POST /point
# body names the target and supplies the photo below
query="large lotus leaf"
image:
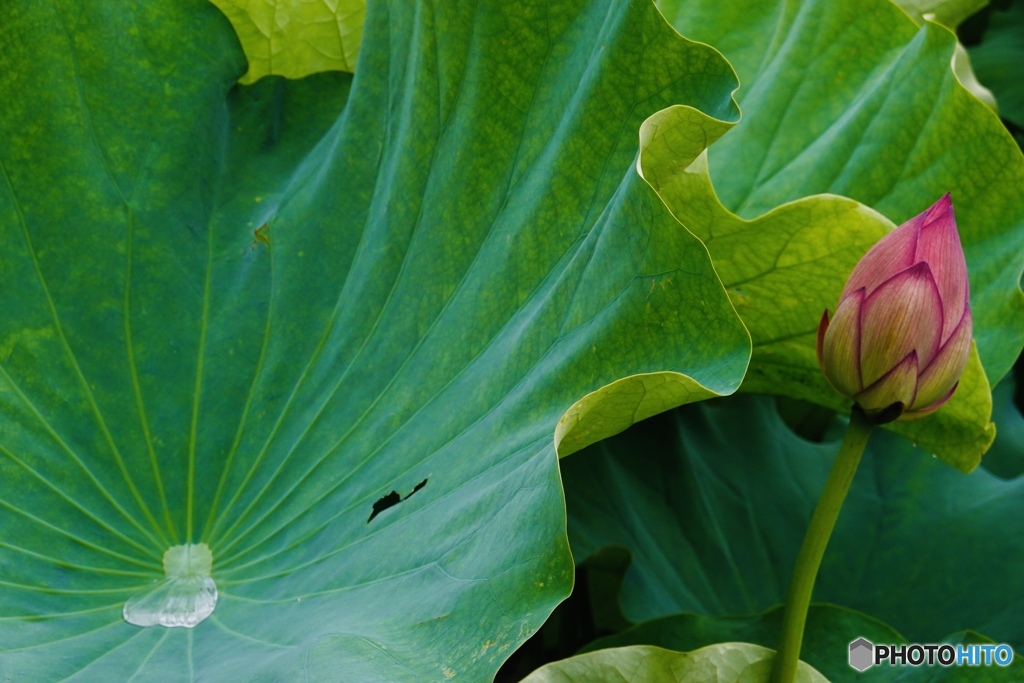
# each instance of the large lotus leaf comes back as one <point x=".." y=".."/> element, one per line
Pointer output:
<point x="997" y="60"/>
<point x="853" y="98"/>
<point x="848" y="98"/>
<point x="296" y="38"/>
<point x="713" y="501"/>
<point x="722" y="663"/>
<point x="827" y="638"/>
<point x="329" y="334"/>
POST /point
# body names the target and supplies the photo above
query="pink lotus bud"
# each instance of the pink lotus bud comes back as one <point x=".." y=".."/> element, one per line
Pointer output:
<point x="901" y="334"/>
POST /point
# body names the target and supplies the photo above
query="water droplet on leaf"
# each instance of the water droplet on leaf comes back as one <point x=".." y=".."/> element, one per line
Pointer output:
<point x="184" y="597"/>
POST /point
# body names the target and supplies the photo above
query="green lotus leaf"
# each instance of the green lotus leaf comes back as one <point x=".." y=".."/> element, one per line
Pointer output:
<point x="296" y="38"/>
<point x="831" y="93"/>
<point x="713" y="500"/>
<point x="829" y="106"/>
<point x="325" y="329"/>
<point x="721" y="663"/>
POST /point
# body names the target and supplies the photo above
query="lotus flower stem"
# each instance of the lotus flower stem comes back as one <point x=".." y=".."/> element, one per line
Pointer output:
<point x="809" y="558"/>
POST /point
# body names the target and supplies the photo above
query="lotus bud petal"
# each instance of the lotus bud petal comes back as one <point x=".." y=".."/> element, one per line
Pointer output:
<point x="901" y="334"/>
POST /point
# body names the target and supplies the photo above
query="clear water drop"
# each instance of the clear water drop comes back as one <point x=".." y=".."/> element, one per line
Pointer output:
<point x="184" y="597"/>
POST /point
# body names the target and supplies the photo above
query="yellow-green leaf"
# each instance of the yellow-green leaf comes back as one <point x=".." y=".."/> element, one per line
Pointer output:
<point x="295" y="38"/>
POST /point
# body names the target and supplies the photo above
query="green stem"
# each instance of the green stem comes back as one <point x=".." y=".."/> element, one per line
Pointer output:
<point x="813" y="548"/>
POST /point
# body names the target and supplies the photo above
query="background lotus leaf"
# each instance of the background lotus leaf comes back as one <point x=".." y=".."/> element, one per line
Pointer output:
<point x="712" y="502"/>
<point x="997" y="60"/>
<point x="850" y="99"/>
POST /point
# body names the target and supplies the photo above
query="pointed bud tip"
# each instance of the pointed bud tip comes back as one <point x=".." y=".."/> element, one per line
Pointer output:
<point x="942" y="210"/>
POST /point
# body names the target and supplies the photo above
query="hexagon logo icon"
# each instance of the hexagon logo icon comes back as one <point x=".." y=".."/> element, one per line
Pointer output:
<point x="862" y="654"/>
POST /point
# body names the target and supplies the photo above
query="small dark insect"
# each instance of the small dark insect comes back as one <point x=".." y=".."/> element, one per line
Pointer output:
<point x="391" y="500"/>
